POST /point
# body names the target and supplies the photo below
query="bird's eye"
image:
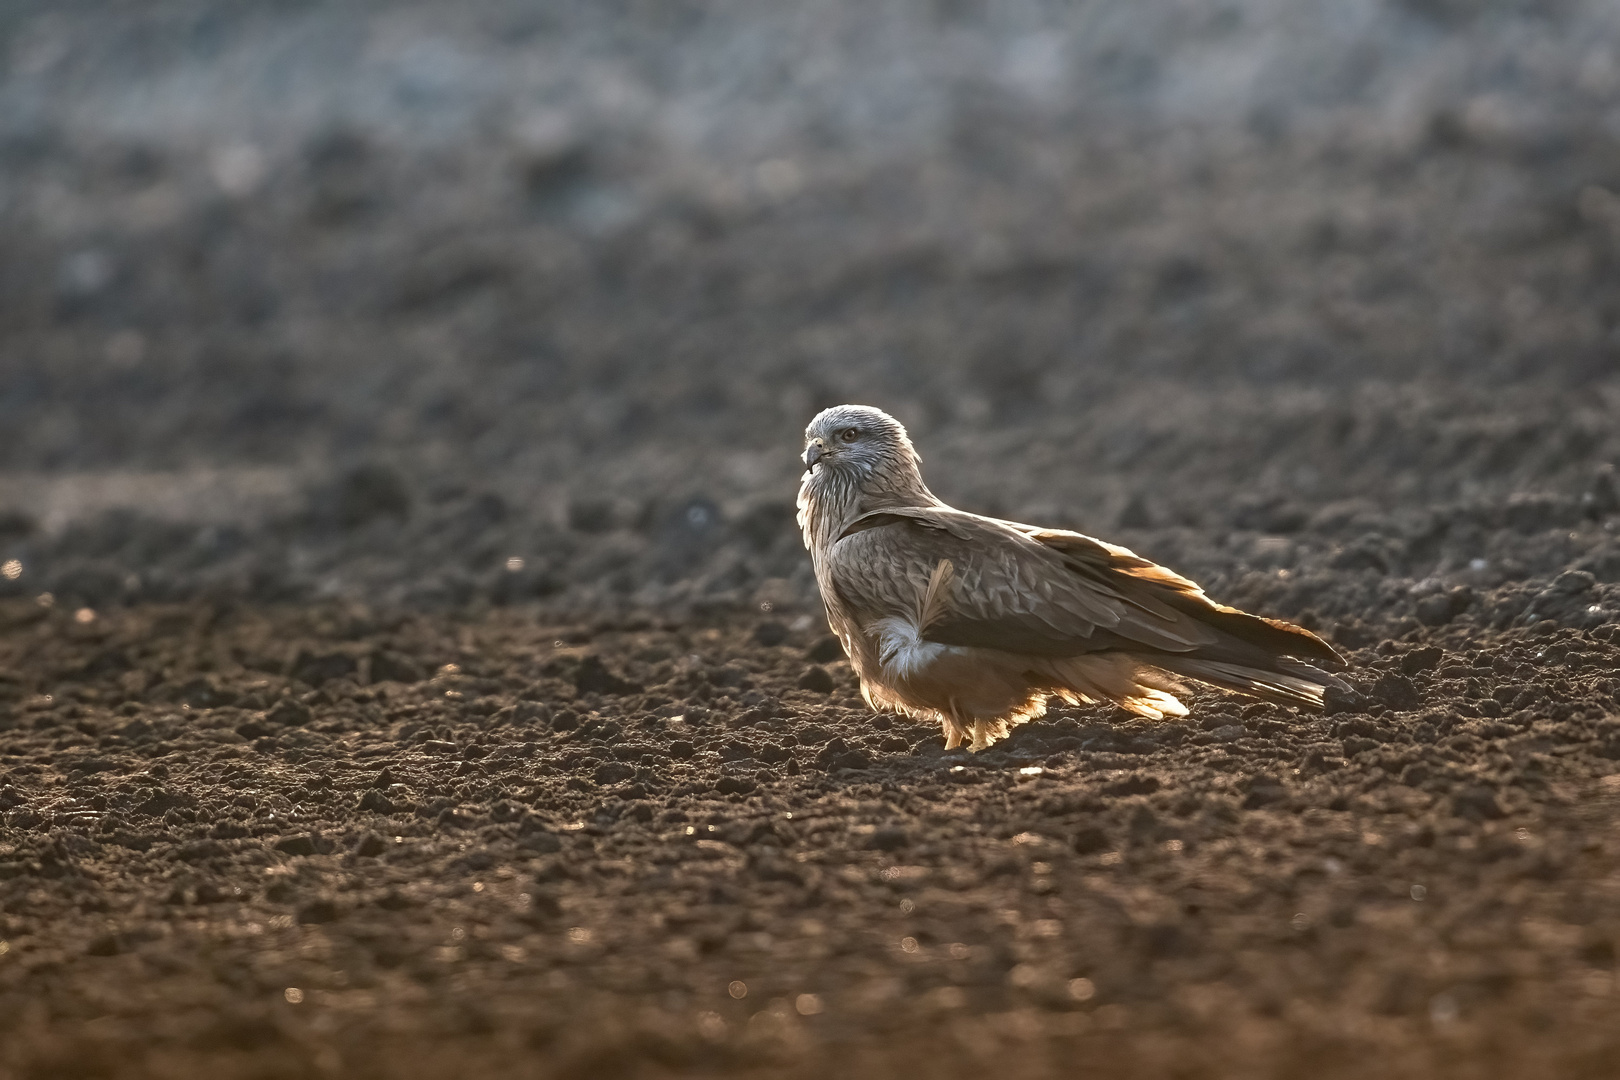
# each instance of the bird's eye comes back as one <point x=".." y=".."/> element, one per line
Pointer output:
<point x="849" y="434"/>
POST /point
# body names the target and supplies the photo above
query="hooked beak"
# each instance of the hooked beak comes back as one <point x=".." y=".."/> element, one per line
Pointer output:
<point x="812" y="454"/>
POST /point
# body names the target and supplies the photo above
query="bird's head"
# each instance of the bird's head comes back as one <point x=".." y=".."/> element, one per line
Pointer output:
<point x="857" y="445"/>
<point x="857" y="459"/>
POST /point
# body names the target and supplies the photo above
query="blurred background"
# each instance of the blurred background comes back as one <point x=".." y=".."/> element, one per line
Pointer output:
<point x="497" y="302"/>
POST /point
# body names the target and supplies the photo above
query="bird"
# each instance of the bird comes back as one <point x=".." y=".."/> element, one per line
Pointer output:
<point x="976" y="623"/>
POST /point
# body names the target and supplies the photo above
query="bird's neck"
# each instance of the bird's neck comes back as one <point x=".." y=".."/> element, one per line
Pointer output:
<point x="829" y="501"/>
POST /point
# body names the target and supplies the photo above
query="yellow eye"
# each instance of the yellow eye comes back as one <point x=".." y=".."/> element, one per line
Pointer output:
<point x="849" y="434"/>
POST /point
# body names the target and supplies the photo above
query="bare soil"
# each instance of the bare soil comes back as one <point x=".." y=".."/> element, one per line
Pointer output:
<point x="293" y="841"/>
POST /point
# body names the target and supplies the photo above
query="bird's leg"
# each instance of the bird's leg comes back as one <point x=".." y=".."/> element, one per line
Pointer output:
<point x="950" y="719"/>
<point x="982" y="737"/>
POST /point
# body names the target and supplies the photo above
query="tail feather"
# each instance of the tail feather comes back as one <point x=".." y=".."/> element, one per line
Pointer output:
<point x="1257" y="635"/>
<point x="1288" y="682"/>
<point x="1269" y="659"/>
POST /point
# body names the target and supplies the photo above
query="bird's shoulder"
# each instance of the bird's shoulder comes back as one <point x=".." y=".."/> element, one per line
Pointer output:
<point x="912" y="540"/>
<point x="940" y="521"/>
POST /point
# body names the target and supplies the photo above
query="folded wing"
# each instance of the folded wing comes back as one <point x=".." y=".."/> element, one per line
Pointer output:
<point x="1053" y="594"/>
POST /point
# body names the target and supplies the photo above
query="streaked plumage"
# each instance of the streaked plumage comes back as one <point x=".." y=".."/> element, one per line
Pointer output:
<point x="976" y="622"/>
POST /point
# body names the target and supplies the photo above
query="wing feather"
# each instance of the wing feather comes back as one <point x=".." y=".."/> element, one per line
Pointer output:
<point x="935" y="600"/>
